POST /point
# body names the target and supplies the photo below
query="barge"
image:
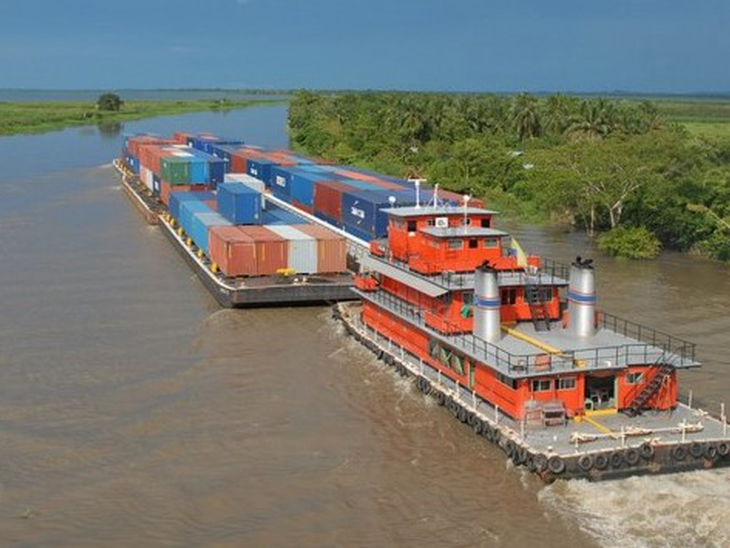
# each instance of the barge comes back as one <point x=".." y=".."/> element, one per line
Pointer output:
<point x="514" y="347"/>
<point x="234" y="292"/>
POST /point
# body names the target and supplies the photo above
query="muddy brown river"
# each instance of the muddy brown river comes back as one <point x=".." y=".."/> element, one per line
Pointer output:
<point x="133" y="410"/>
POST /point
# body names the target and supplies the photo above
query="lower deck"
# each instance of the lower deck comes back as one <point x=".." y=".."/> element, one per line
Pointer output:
<point x="701" y="437"/>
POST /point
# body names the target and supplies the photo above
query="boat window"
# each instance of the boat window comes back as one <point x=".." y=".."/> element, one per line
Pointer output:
<point x="466" y="222"/>
<point x="411" y="226"/>
<point x="433" y="348"/>
<point x="473" y="244"/>
<point x="490" y="242"/>
<point x="512" y="383"/>
<point x="509" y="295"/>
<point x="467" y="297"/>
<point x="486" y="223"/>
<point x="545" y="294"/>
<point x="566" y="383"/>
<point x="634" y="378"/>
<point x="542" y="385"/>
<point x="455" y="244"/>
<point x="434" y="243"/>
<point x="431" y="222"/>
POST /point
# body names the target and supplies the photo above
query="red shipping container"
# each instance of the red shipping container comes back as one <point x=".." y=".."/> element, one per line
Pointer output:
<point x="166" y="188"/>
<point x="303" y="207"/>
<point x="180" y="137"/>
<point x="331" y="249"/>
<point x="233" y="251"/>
<point x="239" y="157"/>
<point x="328" y="198"/>
<point x="271" y="249"/>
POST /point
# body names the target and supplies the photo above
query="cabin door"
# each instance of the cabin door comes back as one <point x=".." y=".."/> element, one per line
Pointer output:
<point x="600" y="392"/>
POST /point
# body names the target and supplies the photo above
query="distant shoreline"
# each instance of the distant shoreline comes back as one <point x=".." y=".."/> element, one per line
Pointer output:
<point x="26" y="117"/>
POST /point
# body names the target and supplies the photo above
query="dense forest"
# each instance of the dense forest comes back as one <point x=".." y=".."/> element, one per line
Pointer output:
<point x="617" y="169"/>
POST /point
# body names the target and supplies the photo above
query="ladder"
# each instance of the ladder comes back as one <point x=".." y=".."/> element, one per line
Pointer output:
<point x="636" y="406"/>
<point x="538" y="307"/>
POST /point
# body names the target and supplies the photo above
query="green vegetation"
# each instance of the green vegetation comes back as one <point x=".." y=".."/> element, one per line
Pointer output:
<point x="21" y="117"/>
<point x="598" y="164"/>
<point x="109" y="102"/>
<point x="630" y="242"/>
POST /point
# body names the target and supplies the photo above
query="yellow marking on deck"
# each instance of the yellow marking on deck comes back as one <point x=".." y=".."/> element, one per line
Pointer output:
<point x="531" y="340"/>
<point x="601" y="412"/>
<point x="597" y="425"/>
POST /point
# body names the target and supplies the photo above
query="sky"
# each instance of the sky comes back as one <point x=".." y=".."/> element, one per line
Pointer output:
<point x="672" y="46"/>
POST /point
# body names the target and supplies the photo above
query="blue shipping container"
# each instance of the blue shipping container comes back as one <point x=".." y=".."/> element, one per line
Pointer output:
<point x="177" y="198"/>
<point x="362" y="210"/>
<point x="261" y="169"/>
<point x="199" y="226"/>
<point x="240" y="204"/>
<point x="187" y="209"/>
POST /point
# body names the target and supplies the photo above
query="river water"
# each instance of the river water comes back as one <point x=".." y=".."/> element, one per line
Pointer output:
<point x="134" y="410"/>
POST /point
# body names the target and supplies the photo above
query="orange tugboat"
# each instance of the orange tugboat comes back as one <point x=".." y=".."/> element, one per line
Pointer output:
<point x="514" y="346"/>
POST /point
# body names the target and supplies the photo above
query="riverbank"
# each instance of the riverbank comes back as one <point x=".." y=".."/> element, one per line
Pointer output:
<point x="38" y="117"/>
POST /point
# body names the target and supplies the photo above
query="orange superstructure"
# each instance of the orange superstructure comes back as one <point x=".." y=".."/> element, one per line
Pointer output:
<point x="520" y="332"/>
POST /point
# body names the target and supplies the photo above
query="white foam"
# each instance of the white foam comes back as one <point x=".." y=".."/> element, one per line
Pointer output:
<point x="687" y="509"/>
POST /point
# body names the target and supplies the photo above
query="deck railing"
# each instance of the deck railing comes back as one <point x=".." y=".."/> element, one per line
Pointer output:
<point x="603" y="357"/>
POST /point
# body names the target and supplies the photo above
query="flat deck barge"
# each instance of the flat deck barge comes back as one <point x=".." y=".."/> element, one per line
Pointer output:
<point x="242" y="291"/>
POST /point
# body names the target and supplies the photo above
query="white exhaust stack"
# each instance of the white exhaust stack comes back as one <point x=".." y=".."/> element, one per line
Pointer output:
<point x="582" y="298"/>
<point x="486" y="304"/>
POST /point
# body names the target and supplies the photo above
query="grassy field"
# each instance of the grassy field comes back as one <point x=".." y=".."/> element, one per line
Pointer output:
<point x="702" y="117"/>
<point x="21" y="117"/>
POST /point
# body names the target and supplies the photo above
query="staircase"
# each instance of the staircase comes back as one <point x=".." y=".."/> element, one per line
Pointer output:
<point x="538" y="307"/>
<point x="650" y="389"/>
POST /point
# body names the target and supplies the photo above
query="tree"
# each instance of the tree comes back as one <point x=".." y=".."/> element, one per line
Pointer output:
<point x="525" y="116"/>
<point x="109" y="102"/>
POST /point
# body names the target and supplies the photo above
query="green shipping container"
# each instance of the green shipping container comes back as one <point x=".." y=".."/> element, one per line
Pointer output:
<point x="175" y="170"/>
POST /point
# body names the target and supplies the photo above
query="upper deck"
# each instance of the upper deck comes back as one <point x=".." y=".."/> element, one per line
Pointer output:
<point x="521" y="351"/>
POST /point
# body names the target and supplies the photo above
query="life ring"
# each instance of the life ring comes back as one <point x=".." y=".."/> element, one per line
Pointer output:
<point x="585" y="462"/>
<point x="556" y="465"/>
<point x="478" y="426"/>
<point x="441" y="398"/>
<point x="723" y="449"/>
<point x="711" y="451"/>
<point x="647" y="451"/>
<point x="601" y="461"/>
<point x="617" y="460"/>
<point x="696" y="450"/>
<point x="632" y="457"/>
<point x="541" y="462"/>
<point x="679" y="453"/>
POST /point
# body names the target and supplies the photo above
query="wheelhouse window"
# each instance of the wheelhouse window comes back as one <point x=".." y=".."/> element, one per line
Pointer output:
<point x="491" y="242"/>
<point x="504" y="379"/>
<point x="456" y="244"/>
<point x="467" y="297"/>
<point x="486" y="223"/>
<point x="542" y="385"/>
<point x="473" y="244"/>
<point x="545" y="294"/>
<point x="412" y="226"/>
<point x="634" y="378"/>
<point x="434" y="243"/>
<point x="509" y="295"/>
<point x="566" y="383"/>
<point x="465" y="222"/>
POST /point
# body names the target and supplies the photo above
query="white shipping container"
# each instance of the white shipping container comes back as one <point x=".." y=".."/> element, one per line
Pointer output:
<point x="146" y="177"/>
<point x="302" y="255"/>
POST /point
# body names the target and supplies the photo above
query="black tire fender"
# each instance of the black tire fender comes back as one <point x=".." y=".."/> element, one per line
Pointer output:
<point x="696" y="449"/>
<point x="440" y="398"/>
<point x="478" y="426"/>
<point x="426" y="386"/>
<point x="509" y="448"/>
<point x="723" y="449"/>
<point x="632" y="457"/>
<point x="679" y="453"/>
<point x="601" y="461"/>
<point x="556" y="465"/>
<point x="530" y="463"/>
<point x="487" y="432"/>
<point x="711" y="451"/>
<point x="647" y="451"/>
<point x="470" y="418"/>
<point x="462" y="414"/>
<point x="586" y="462"/>
<point x="541" y="462"/>
<point x="617" y="459"/>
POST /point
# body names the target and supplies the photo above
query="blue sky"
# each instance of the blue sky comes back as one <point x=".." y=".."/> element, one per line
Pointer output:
<point x="510" y="45"/>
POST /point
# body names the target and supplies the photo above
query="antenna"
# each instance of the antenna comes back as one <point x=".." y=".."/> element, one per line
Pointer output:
<point x="466" y="210"/>
<point x="435" y="195"/>
<point x="418" y="194"/>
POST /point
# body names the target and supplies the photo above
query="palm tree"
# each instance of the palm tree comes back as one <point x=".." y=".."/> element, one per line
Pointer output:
<point x="559" y="109"/>
<point x="596" y="119"/>
<point x="525" y="116"/>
